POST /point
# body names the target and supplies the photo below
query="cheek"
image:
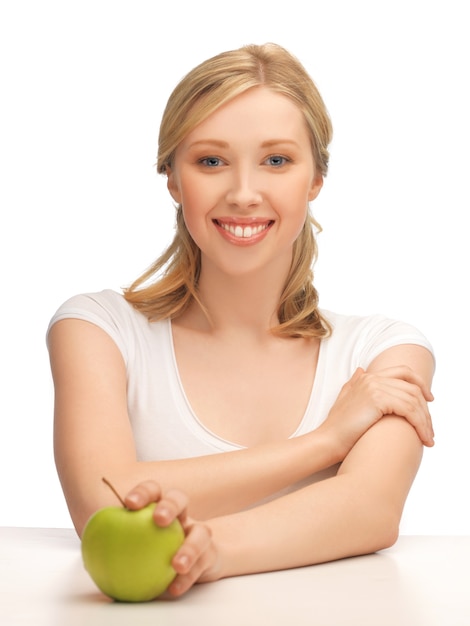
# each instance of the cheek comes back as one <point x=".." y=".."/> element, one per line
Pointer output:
<point x="190" y="201"/>
<point x="198" y="198"/>
<point x="195" y="194"/>
<point x="296" y="203"/>
<point x="294" y="190"/>
<point x="194" y="214"/>
<point x="295" y="199"/>
<point x="300" y="222"/>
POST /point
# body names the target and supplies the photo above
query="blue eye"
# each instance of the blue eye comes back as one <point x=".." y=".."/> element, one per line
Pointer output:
<point x="211" y="161"/>
<point x="276" y="160"/>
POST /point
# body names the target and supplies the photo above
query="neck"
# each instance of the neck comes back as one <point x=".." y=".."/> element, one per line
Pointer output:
<point x="246" y="302"/>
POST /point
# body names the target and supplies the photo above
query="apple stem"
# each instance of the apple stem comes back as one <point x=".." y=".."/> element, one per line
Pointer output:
<point x="106" y="482"/>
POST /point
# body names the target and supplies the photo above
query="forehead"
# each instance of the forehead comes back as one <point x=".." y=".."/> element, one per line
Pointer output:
<point x="257" y="113"/>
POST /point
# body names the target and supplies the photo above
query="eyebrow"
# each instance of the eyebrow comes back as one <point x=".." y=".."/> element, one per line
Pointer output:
<point x="277" y="142"/>
<point x="223" y="144"/>
<point x="209" y="142"/>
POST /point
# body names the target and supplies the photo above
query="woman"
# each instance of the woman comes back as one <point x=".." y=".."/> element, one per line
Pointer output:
<point x="215" y="385"/>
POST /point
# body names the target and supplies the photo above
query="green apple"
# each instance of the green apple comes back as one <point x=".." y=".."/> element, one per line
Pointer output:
<point x="127" y="555"/>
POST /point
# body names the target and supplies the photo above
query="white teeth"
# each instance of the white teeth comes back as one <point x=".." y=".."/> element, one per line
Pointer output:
<point x="243" y="232"/>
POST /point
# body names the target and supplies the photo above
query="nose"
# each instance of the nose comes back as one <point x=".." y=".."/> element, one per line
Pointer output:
<point x="243" y="192"/>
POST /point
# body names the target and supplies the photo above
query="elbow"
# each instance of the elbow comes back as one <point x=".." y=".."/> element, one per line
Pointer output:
<point x="385" y="532"/>
<point x="376" y="522"/>
<point x="80" y="520"/>
<point x="389" y="536"/>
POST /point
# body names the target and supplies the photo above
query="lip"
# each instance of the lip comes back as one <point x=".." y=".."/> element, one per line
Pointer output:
<point x="243" y="231"/>
<point x="243" y="220"/>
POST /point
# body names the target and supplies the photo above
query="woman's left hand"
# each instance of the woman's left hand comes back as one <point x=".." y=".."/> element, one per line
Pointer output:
<point x="198" y="559"/>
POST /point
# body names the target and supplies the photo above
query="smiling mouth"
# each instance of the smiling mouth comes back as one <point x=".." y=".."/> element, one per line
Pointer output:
<point x="244" y="231"/>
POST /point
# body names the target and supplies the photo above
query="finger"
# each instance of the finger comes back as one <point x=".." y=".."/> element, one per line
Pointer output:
<point x="142" y="494"/>
<point x="183" y="582"/>
<point x="405" y="373"/>
<point x="357" y="375"/>
<point x="192" y="559"/>
<point x="396" y="396"/>
<point x="407" y="401"/>
<point x="196" y="543"/>
<point x="173" y="504"/>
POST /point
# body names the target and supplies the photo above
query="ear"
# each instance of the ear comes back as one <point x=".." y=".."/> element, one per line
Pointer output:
<point x="315" y="188"/>
<point x="172" y="185"/>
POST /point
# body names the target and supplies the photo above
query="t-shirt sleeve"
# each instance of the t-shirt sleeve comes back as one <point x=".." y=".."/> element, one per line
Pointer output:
<point x="381" y="333"/>
<point x="104" y="309"/>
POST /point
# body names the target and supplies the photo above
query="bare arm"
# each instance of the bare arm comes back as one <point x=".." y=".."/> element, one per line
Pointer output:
<point x="356" y="512"/>
<point x="93" y="438"/>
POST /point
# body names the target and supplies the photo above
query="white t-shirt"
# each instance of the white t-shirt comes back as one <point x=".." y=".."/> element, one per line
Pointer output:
<point x="163" y="422"/>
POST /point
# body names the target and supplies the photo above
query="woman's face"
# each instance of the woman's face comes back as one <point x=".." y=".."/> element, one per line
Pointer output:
<point x="244" y="177"/>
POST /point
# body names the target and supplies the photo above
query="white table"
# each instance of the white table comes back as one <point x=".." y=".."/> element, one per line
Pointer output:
<point x="421" y="581"/>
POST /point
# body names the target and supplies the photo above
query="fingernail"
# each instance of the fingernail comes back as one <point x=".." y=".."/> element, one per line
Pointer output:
<point x="162" y="513"/>
<point x="183" y="560"/>
<point x="133" y="498"/>
<point x="176" y="588"/>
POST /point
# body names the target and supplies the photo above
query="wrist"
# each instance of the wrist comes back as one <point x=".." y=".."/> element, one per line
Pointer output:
<point x="324" y="448"/>
<point x="225" y="549"/>
<point x="237" y="545"/>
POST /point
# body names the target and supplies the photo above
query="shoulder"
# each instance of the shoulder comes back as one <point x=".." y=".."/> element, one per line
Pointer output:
<point x="365" y="337"/>
<point x="110" y="311"/>
<point x="102" y="307"/>
<point x="106" y="299"/>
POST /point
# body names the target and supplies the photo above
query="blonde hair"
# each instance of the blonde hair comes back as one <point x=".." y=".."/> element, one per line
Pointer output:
<point x="202" y="91"/>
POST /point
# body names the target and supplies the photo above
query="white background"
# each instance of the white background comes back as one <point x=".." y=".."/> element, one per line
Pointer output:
<point x="83" y="86"/>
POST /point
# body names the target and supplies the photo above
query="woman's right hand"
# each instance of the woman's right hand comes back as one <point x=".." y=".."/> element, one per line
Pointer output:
<point x="197" y="560"/>
<point x="367" y="397"/>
